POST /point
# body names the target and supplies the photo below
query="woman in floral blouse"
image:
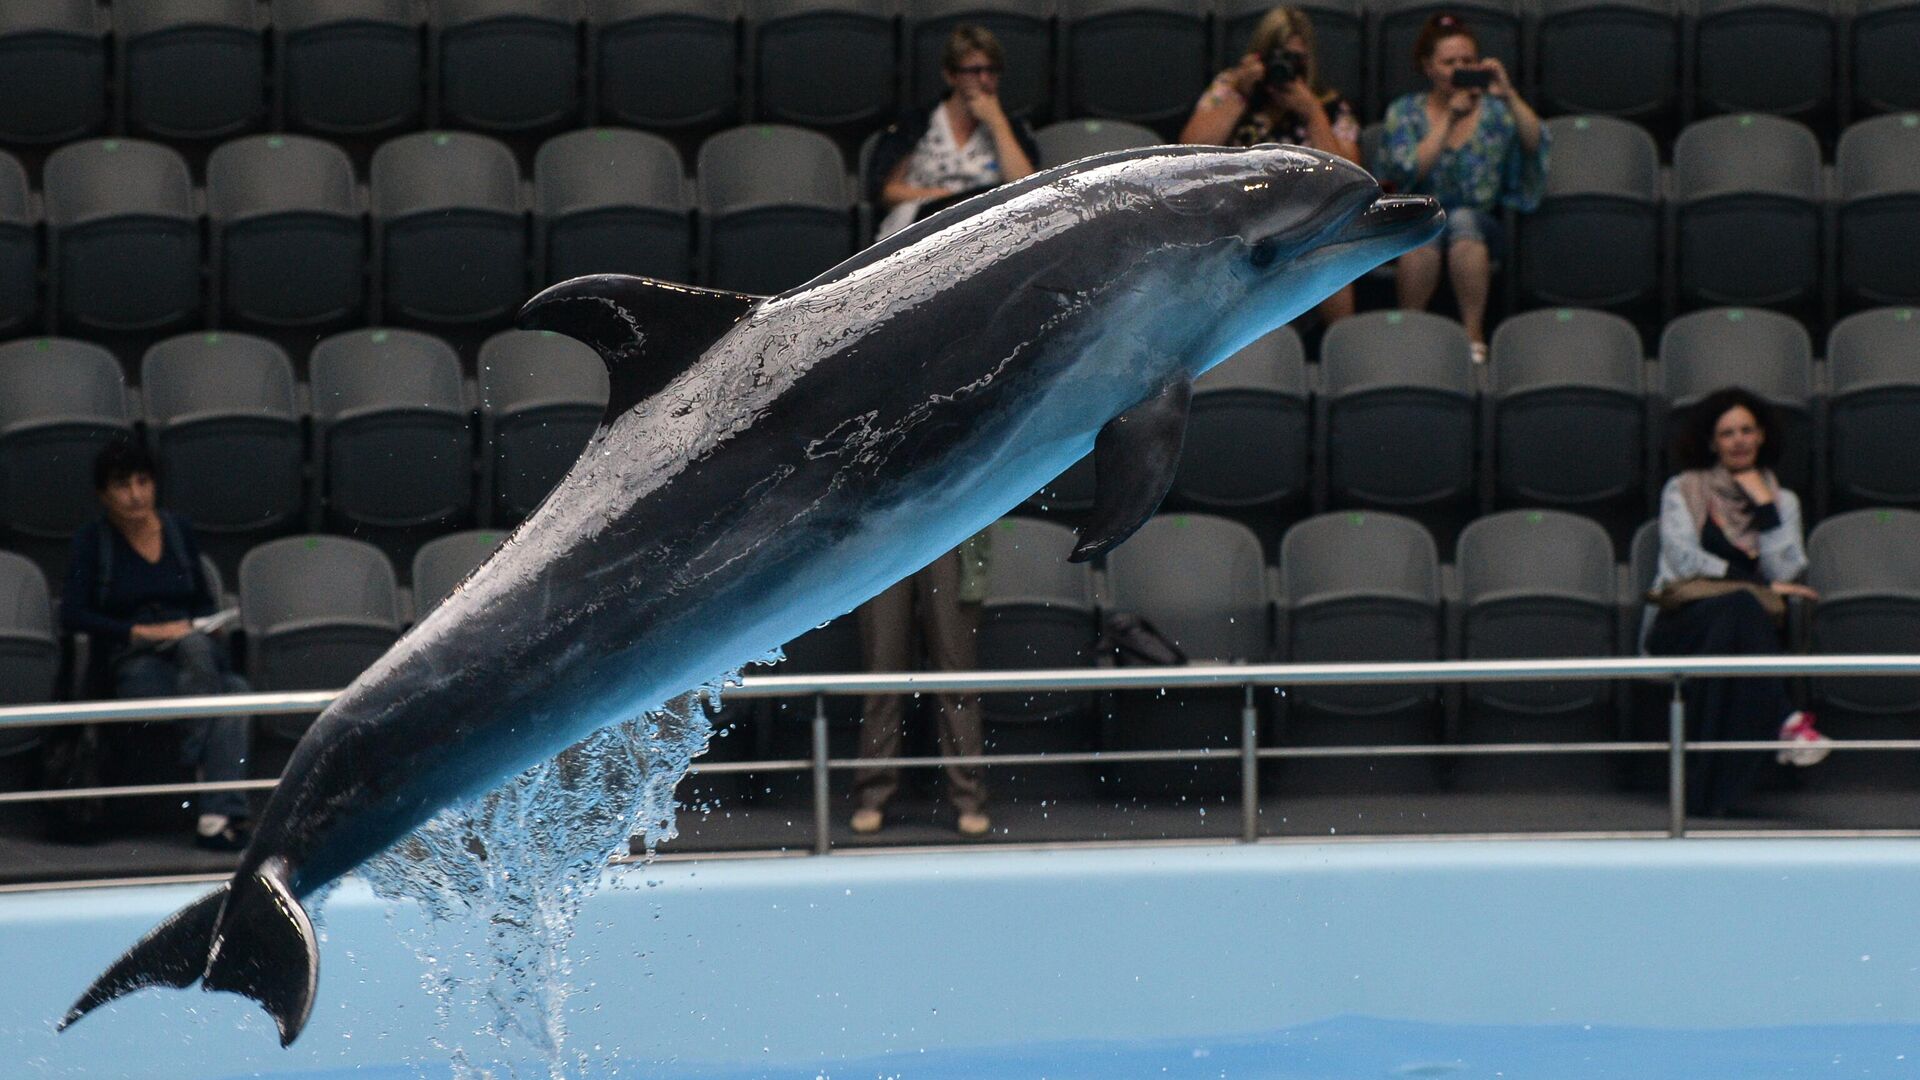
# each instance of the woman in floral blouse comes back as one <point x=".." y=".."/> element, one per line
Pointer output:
<point x="1476" y="150"/>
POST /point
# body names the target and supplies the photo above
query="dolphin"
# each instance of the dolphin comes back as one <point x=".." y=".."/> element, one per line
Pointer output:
<point x="768" y="464"/>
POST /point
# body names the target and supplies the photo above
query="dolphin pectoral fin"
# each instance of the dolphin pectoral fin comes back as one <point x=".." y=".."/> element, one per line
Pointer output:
<point x="264" y="949"/>
<point x="172" y="954"/>
<point x="1134" y="460"/>
<point x="646" y="331"/>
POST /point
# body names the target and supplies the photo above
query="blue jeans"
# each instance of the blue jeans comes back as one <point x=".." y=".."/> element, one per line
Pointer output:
<point x="216" y="746"/>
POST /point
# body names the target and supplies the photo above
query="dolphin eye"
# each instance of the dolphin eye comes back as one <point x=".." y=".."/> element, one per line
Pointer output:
<point x="1263" y="254"/>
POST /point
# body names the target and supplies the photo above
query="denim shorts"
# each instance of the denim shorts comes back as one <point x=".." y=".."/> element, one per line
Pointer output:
<point x="1469" y="223"/>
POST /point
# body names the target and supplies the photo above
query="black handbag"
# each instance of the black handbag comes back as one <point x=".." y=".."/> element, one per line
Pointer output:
<point x="1128" y="640"/>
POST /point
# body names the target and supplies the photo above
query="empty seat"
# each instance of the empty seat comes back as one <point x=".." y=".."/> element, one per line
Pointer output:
<point x="1761" y="351"/>
<point x="123" y="238"/>
<point x="1038" y="613"/>
<point x="29" y="646"/>
<point x="1396" y="27"/>
<point x="1883" y="37"/>
<point x="1248" y="431"/>
<point x="444" y="562"/>
<point x="666" y="63"/>
<point x="1397" y="411"/>
<point x="224" y="421"/>
<point x="505" y="65"/>
<point x="1024" y="29"/>
<point x="60" y="402"/>
<point x="1768" y="56"/>
<point x="1747" y="195"/>
<point x="390" y="428"/>
<point x="1594" y="241"/>
<point x="450" y="238"/>
<point x="609" y="201"/>
<point x="318" y="610"/>
<point x="1878" y="172"/>
<point x="1359" y="587"/>
<point x="349" y="67"/>
<point x="288" y="233"/>
<point x="1609" y="57"/>
<point x="1866" y="567"/>
<point x="1873" y="360"/>
<point x="821" y="63"/>
<point x="1202" y="581"/>
<point x="541" y="397"/>
<point x="1339" y="34"/>
<point x="19" y="250"/>
<point x="1145" y="61"/>
<point x="774" y="208"/>
<point x="53" y="70"/>
<point x="1071" y="140"/>
<point x="1568" y="415"/>
<point x="191" y="69"/>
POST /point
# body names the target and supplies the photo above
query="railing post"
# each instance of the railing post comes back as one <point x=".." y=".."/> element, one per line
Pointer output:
<point x="1677" y="761"/>
<point x="1249" y="769"/>
<point x="822" y="818"/>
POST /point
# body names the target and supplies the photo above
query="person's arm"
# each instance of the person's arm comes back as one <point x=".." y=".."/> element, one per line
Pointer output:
<point x="1223" y="104"/>
<point x="1526" y="122"/>
<point x="896" y="190"/>
<point x="1345" y="132"/>
<point x="204" y="601"/>
<point x="1681" y="555"/>
<point x="77" y="613"/>
<point x="1014" y="162"/>
<point x="1459" y="114"/>
<point x="1783" y="556"/>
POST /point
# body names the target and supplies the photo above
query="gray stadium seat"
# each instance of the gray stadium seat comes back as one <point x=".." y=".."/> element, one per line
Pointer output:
<point x="223" y="418"/>
<point x="666" y="63"/>
<point x="349" y="68"/>
<point x="1874" y="409"/>
<point x="1071" y="140"/>
<point x="390" y="429"/>
<point x="318" y="610"/>
<point x="1024" y="29"/>
<point x="60" y="402"/>
<point x="1883" y="37"/>
<point x="450" y="238"/>
<point x="1202" y="581"/>
<point x="505" y="65"/>
<point x="29" y="646"/>
<point x="1249" y="432"/>
<point x="1748" y="212"/>
<point x="1395" y="26"/>
<point x="1762" y="351"/>
<point x="541" y="397"/>
<point x="191" y="69"/>
<point x="774" y="208"/>
<point x="444" y="562"/>
<point x="1535" y="585"/>
<point x="53" y="70"/>
<point x="610" y="201"/>
<point x="1878" y="207"/>
<point x="123" y="238"/>
<point x="1339" y="32"/>
<point x="1145" y="61"/>
<point x="1567" y="416"/>
<point x="1359" y="587"/>
<point x="821" y="63"/>
<point x="1866" y="567"/>
<point x="289" y="234"/>
<point x="1397" y="416"/>
<point x="19" y="250"/>
<point x="1768" y="56"/>
<point x="1595" y="239"/>
<point x="1608" y="57"/>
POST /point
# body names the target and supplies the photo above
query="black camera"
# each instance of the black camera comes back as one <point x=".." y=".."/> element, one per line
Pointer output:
<point x="1472" y="78"/>
<point x="1283" y="67"/>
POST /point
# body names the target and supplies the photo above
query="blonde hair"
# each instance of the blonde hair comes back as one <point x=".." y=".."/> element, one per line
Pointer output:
<point x="1272" y="32"/>
<point x="968" y="38"/>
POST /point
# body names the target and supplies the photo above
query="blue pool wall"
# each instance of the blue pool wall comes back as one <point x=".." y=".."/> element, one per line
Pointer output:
<point x="758" y="963"/>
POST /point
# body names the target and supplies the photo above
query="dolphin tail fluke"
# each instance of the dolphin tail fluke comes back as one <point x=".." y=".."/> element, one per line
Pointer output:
<point x="264" y="949"/>
<point x="173" y="954"/>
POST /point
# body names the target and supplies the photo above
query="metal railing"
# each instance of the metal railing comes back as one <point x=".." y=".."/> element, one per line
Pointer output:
<point x="1674" y="671"/>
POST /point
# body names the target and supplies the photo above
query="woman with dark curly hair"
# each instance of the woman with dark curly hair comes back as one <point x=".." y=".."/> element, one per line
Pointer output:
<point x="1730" y="551"/>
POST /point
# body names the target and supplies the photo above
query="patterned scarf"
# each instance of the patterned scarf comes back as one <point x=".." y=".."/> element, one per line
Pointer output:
<point x="1714" y="493"/>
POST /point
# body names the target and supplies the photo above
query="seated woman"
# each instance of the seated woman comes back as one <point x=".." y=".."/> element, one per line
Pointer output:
<point x="1471" y="142"/>
<point x="1730" y="549"/>
<point x="135" y="585"/>
<point x="963" y="145"/>
<point x="1249" y="104"/>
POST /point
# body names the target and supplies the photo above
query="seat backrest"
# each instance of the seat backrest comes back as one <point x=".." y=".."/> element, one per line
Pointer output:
<point x="1744" y="155"/>
<point x="1613" y="57"/>
<point x="822" y="63"/>
<point x="1541" y="553"/>
<point x="1140" y="60"/>
<point x="506" y="65"/>
<point x="370" y="369"/>
<point x="608" y="168"/>
<point x="1565" y="347"/>
<point x="200" y="375"/>
<point x="1874" y="350"/>
<point x="1598" y="155"/>
<point x="522" y="369"/>
<point x="444" y="562"/>
<point x="300" y="578"/>
<point x="1879" y="157"/>
<point x="1771" y="56"/>
<point x="437" y="171"/>
<point x="1865" y="553"/>
<point x="1883" y="38"/>
<point x="1350" y="555"/>
<point x="1764" y="351"/>
<point x="1201" y="580"/>
<point x="224" y="419"/>
<point x="666" y="63"/>
<point x="53" y="70"/>
<point x="1643" y="558"/>
<point x="1027" y="563"/>
<point x="1071" y="140"/>
<point x="349" y="67"/>
<point x="101" y="179"/>
<point x="770" y="165"/>
<point x="1396" y="349"/>
<point x="191" y="69"/>
<point x="29" y="644"/>
<point x="279" y="174"/>
<point x="1275" y="363"/>
<point x="44" y="379"/>
<point x="1024" y="29"/>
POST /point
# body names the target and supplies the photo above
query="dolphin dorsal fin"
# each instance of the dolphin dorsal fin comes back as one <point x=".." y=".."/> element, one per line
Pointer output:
<point x="646" y="331"/>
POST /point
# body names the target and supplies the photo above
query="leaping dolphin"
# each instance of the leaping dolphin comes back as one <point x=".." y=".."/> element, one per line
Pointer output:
<point x="768" y="464"/>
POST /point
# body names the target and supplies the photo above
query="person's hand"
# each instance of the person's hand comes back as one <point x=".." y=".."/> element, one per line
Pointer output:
<point x="160" y="633"/>
<point x="1789" y="589"/>
<point x="1754" y="483"/>
<point x="1245" y="75"/>
<point x="984" y="107"/>
<point x="1501" y="86"/>
<point x="1460" y="105"/>
<point x="1299" y="98"/>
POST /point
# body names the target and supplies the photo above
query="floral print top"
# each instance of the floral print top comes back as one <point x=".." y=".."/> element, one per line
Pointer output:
<point x="1257" y="126"/>
<point x="1492" y="168"/>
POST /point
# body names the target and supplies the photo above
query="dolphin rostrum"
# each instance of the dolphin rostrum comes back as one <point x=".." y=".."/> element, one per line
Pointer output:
<point x="768" y="464"/>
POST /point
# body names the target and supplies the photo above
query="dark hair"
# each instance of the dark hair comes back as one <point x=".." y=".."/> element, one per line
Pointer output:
<point x="122" y="459"/>
<point x="1439" y="28"/>
<point x="1693" y="440"/>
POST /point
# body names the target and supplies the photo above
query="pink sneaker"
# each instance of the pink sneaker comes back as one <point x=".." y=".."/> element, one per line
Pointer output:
<point x="1811" y="747"/>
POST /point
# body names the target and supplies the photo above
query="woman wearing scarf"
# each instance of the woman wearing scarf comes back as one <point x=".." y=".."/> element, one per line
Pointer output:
<point x="1730" y="549"/>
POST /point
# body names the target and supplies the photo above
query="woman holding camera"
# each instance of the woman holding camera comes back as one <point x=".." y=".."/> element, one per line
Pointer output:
<point x="1274" y="94"/>
<point x="1471" y="142"/>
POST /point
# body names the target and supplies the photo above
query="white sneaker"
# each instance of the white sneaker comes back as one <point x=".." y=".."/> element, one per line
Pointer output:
<point x="1811" y="747"/>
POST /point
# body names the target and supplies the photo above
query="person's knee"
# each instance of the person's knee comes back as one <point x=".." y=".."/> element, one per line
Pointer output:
<point x="1748" y="626"/>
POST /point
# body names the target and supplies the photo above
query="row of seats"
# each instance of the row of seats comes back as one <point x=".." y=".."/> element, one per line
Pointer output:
<point x="210" y="69"/>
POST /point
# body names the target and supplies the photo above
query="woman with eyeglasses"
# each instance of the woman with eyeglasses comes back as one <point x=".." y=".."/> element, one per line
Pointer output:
<point x="963" y="145"/>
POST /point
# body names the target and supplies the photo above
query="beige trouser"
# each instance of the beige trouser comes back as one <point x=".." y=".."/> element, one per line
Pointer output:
<point x="929" y="601"/>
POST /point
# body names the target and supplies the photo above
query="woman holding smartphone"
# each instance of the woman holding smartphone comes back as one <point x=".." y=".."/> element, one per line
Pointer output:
<point x="1471" y="142"/>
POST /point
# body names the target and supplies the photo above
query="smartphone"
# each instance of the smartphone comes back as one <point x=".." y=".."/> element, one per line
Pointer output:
<point x="1472" y="78"/>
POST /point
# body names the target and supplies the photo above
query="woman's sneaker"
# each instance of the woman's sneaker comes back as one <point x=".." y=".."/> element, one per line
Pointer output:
<point x="1811" y="747"/>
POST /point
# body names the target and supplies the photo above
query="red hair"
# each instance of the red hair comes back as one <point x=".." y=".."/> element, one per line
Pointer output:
<point x="1439" y="28"/>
